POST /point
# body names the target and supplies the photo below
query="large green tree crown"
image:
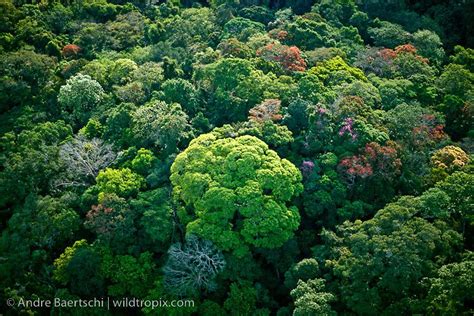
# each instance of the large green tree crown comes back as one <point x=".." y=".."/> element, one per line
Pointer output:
<point x="238" y="190"/>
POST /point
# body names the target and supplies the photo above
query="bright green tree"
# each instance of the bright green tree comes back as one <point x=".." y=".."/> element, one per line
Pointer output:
<point x="237" y="191"/>
<point x="123" y="182"/>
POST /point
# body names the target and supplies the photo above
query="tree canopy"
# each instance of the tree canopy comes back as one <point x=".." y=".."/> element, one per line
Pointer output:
<point x="237" y="157"/>
<point x="238" y="190"/>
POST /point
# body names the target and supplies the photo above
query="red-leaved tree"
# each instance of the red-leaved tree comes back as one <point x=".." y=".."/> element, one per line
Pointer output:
<point x="289" y="57"/>
<point x="375" y="161"/>
<point x="70" y="50"/>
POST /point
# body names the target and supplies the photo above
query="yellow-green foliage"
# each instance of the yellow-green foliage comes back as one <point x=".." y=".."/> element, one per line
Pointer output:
<point x="446" y="161"/>
<point x="123" y="182"/>
<point x="449" y="158"/>
<point x="336" y="70"/>
<point x="238" y="190"/>
<point x="60" y="264"/>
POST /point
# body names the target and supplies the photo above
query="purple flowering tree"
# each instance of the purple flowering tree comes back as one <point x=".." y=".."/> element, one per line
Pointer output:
<point x="348" y="129"/>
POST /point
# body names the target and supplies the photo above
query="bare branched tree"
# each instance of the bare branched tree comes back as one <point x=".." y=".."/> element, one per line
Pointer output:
<point x="84" y="158"/>
<point x="193" y="266"/>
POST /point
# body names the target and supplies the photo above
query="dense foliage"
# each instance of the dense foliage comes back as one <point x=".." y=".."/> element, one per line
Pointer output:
<point x="306" y="157"/>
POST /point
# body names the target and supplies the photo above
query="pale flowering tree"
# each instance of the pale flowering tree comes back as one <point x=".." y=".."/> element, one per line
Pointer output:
<point x="192" y="266"/>
<point x="161" y="124"/>
<point x="79" y="96"/>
